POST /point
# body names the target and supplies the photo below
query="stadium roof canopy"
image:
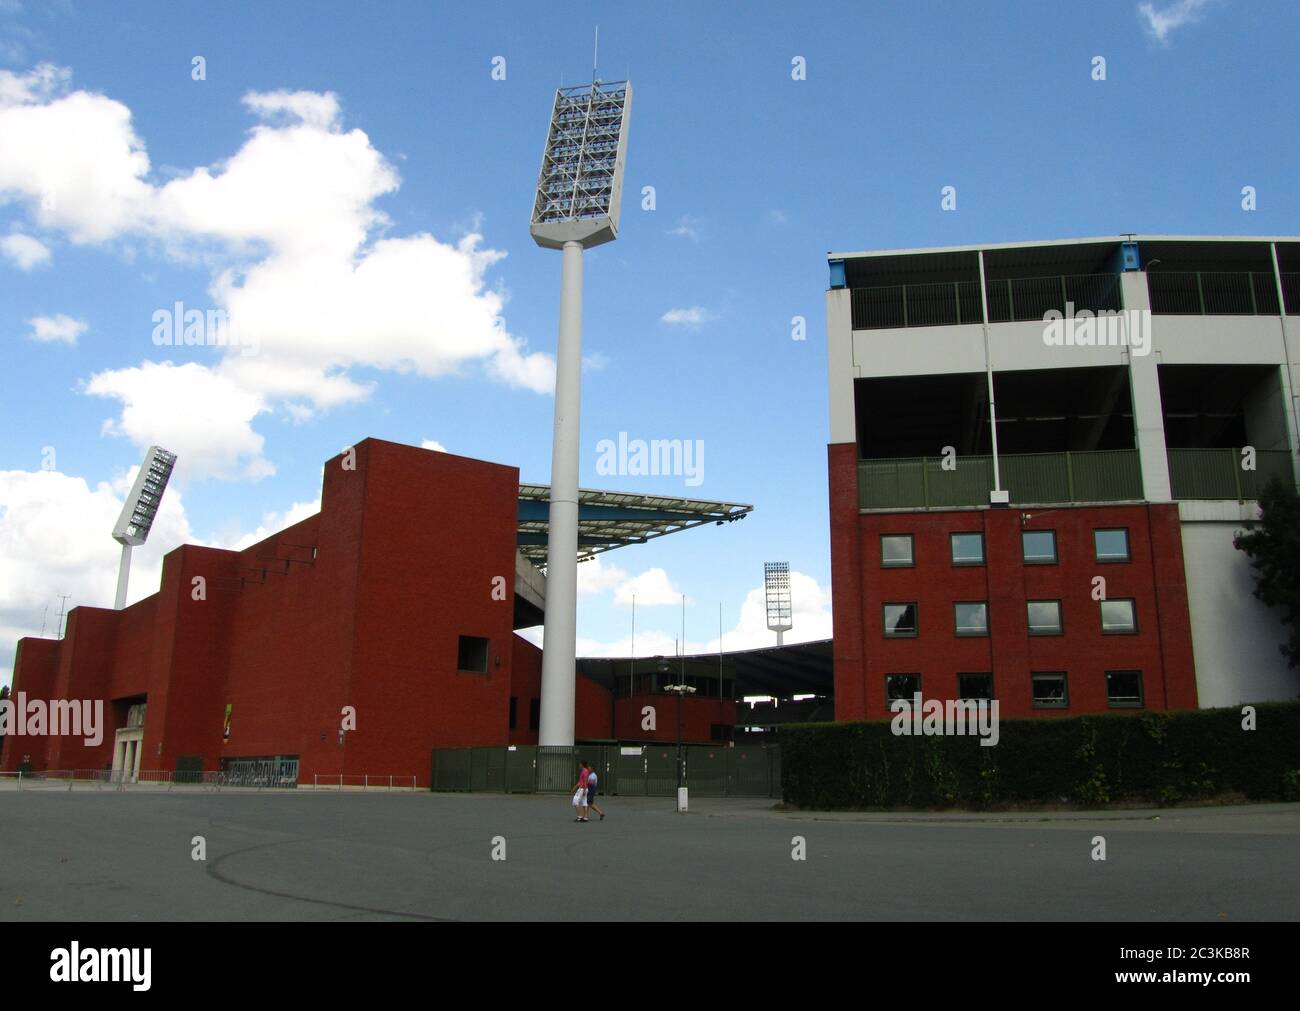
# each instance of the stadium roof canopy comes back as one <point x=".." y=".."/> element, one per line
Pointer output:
<point x="613" y="519"/>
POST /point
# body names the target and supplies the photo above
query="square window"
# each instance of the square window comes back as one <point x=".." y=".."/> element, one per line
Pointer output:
<point x="1119" y="617"/>
<point x="896" y="551"/>
<point x="1051" y="691"/>
<point x="1124" y="689"/>
<point x="901" y="686"/>
<point x="975" y="686"/>
<point x="967" y="549"/>
<point x="972" y="618"/>
<point x="472" y="654"/>
<point x="1039" y="546"/>
<point x="1044" y="617"/>
<point x="900" y="621"/>
<point x="1111" y="545"/>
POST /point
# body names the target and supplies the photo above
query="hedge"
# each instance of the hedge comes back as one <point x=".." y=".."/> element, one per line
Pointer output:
<point x="1090" y="761"/>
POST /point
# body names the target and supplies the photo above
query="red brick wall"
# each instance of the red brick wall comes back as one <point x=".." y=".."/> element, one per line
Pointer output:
<point x="698" y="717"/>
<point x="36" y="665"/>
<point x="1154" y="577"/>
<point x="593" y="713"/>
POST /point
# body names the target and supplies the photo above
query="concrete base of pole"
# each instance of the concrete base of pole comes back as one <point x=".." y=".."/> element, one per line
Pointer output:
<point x="681" y="799"/>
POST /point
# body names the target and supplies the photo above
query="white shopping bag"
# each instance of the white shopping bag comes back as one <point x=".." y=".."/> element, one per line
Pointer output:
<point x="578" y="797"/>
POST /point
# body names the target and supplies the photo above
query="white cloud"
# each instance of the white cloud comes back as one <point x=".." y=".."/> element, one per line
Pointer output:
<point x="193" y="411"/>
<point x="55" y="539"/>
<point x="687" y="228"/>
<point x="24" y="251"/>
<point x="272" y="523"/>
<point x="434" y="445"/>
<point x="597" y="576"/>
<point x="652" y="588"/>
<point x="692" y="317"/>
<point x="60" y="328"/>
<point x="777" y="216"/>
<point x="1171" y="17"/>
<point x="290" y="225"/>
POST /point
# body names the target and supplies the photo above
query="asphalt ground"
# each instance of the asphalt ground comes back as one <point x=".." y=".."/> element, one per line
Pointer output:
<point x="324" y="856"/>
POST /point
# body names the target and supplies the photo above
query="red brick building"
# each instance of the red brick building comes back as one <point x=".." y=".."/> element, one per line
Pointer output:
<point x="354" y="642"/>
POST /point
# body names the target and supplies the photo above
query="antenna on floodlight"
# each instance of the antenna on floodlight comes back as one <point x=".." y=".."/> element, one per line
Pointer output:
<point x="595" y="54"/>
<point x="776" y="585"/>
<point x="140" y="509"/>
<point x="579" y="189"/>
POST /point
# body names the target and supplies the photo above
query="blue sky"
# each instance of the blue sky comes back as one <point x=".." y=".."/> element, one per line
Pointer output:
<point x="322" y="178"/>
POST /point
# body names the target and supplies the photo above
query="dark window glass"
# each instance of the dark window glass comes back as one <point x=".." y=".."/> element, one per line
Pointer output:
<point x="1051" y="691"/>
<point x="514" y="704"/>
<point x="1124" y="688"/>
<point x="901" y="686"/>
<point x="472" y="654"/>
<point x="900" y="620"/>
<point x="535" y="714"/>
<point x="975" y="686"/>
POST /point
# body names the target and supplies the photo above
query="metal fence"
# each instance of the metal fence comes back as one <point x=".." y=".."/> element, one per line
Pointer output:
<point x="948" y="303"/>
<point x="1219" y="473"/>
<point x="629" y="770"/>
<point x="921" y="481"/>
<point x="245" y="779"/>
<point x="1214" y="293"/>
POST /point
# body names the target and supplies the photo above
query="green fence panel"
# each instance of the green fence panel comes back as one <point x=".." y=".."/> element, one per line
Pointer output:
<point x="1106" y="476"/>
<point x="521" y="769"/>
<point x="557" y="769"/>
<point x="661" y="770"/>
<point x="451" y="769"/>
<point x="706" y="770"/>
<point x="629" y="771"/>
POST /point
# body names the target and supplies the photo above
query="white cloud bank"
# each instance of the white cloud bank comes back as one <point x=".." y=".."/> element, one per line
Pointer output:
<point x="1161" y="22"/>
<point x="291" y="227"/>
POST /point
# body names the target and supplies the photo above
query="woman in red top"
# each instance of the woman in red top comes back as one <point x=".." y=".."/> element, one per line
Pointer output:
<point x="580" y="793"/>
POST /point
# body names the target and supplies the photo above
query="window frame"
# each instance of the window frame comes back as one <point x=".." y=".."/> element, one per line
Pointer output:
<point x="487" y="653"/>
<point x="910" y="563"/>
<point x="1060" y="616"/>
<point x="916" y="617"/>
<point x="910" y="695"/>
<point x="1128" y="546"/>
<point x="1101" y="615"/>
<point x="1056" y="548"/>
<point x="1141" y="695"/>
<point x="956" y="625"/>
<point x="992" y="695"/>
<point x="952" y="549"/>
<point x="1050" y="704"/>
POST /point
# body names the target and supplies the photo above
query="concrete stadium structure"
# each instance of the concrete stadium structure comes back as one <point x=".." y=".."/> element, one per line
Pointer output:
<point x="1011" y="423"/>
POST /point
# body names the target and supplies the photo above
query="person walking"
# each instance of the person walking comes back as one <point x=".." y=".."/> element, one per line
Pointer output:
<point x="580" y="793"/>
<point x="592" y="782"/>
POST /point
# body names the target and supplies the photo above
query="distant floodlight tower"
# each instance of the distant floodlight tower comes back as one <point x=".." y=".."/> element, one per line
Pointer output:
<point x="578" y="193"/>
<point x="776" y="582"/>
<point x="138" y="513"/>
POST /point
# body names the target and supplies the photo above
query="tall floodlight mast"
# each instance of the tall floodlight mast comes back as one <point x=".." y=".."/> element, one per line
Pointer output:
<point x="776" y="583"/>
<point x="138" y="513"/>
<point x="577" y="205"/>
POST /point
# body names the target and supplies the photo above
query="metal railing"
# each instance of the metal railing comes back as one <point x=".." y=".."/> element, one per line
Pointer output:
<point x="1291" y="293"/>
<point x="949" y="303"/>
<point x="922" y="482"/>
<point x="1215" y="293"/>
<point x="635" y="770"/>
<point x="1221" y="473"/>
<point x="100" y="779"/>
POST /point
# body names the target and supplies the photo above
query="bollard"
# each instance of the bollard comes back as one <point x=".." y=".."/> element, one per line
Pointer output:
<point x="681" y="799"/>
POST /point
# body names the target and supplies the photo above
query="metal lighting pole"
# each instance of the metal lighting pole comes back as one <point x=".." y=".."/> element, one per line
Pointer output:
<point x="559" y="653"/>
<point x="579" y="189"/>
<point x="140" y="510"/>
<point x="123" y="577"/>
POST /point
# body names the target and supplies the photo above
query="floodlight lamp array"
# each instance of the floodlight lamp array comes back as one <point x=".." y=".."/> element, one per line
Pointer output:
<point x="580" y="167"/>
<point x="141" y="506"/>
<point x="776" y="581"/>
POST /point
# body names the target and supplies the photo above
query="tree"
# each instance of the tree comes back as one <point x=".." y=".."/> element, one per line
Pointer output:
<point x="1273" y="545"/>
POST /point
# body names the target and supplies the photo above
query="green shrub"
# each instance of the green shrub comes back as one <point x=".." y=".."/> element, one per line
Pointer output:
<point x="1156" y="758"/>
